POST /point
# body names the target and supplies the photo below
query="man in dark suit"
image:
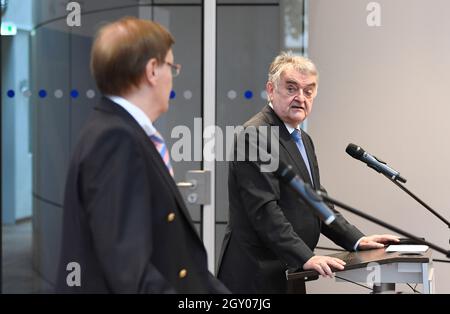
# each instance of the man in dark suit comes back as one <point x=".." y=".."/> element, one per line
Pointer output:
<point x="126" y="228"/>
<point x="270" y="230"/>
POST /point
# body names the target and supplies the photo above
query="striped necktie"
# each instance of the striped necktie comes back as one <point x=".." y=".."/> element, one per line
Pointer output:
<point x="297" y="136"/>
<point x="161" y="147"/>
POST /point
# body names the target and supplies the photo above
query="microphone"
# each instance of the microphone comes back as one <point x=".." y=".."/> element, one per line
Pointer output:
<point x="306" y="193"/>
<point x="373" y="162"/>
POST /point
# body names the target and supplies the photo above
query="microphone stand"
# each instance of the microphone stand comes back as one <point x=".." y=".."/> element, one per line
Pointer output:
<point x="382" y="223"/>
<point x="431" y="210"/>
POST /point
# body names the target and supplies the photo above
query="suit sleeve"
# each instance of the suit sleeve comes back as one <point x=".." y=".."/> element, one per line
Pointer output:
<point x="260" y="195"/>
<point x="117" y="196"/>
<point x="340" y="231"/>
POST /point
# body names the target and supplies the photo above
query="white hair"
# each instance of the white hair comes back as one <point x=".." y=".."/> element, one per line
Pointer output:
<point x="285" y="60"/>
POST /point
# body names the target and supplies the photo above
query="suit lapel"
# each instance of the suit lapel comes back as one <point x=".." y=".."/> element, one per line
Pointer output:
<point x="171" y="184"/>
<point x="109" y="106"/>
<point x="288" y="144"/>
<point x="312" y="161"/>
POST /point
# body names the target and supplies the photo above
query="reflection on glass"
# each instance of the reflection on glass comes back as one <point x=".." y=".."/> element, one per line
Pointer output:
<point x="294" y="22"/>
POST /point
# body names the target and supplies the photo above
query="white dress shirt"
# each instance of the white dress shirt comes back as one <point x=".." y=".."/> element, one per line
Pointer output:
<point x="136" y="112"/>
<point x="290" y="130"/>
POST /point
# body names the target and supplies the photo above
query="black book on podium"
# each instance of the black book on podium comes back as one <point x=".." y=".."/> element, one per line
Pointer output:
<point x="404" y="241"/>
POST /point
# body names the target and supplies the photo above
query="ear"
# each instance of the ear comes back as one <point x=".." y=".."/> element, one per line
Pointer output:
<point x="270" y="90"/>
<point x="151" y="71"/>
<point x="315" y="91"/>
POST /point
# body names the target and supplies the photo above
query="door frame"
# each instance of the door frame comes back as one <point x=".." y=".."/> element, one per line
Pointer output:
<point x="209" y="119"/>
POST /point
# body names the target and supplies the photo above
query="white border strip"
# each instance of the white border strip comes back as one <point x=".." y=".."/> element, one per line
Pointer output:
<point x="209" y="119"/>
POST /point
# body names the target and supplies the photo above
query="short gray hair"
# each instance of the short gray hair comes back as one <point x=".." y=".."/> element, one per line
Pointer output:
<point x="285" y="60"/>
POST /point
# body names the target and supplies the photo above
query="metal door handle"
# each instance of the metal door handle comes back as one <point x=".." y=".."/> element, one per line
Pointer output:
<point x="196" y="189"/>
<point x="190" y="184"/>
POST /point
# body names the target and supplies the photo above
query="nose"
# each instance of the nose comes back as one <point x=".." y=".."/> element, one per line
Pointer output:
<point x="300" y="97"/>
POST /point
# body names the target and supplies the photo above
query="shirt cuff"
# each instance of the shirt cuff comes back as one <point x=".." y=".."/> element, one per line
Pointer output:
<point x="355" y="248"/>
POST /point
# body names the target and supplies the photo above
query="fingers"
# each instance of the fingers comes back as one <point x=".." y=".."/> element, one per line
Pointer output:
<point x="383" y="238"/>
<point x="337" y="263"/>
<point x="389" y="238"/>
<point x="371" y="245"/>
<point x="377" y="241"/>
<point x="331" y="262"/>
<point x="323" y="269"/>
<point x="376" y="244"/>
<point x="324" y="264"/>
<point x="326" y="269"/>
<point x="319" y="269"/>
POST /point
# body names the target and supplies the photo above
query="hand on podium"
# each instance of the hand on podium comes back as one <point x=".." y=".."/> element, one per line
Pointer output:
<point x="322" y="264"/>
<point x="377" y="241"/>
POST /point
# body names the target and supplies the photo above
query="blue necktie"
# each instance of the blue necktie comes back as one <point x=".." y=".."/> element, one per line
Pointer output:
<point x="161" y="147"/>
<point x="297" y="136"/>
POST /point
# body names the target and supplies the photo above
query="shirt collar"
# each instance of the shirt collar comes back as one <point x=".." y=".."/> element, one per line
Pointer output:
<point x="288" y="126"/>
<point x="136" y="112"/>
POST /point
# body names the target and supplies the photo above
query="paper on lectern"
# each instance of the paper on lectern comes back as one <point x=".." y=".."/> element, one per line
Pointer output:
<point x="407" y="248"/>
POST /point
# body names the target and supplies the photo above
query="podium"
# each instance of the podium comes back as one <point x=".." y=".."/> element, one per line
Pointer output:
<point x="377" y="267"/>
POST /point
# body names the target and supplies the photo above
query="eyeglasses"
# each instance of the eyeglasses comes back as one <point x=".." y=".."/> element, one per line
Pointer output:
<point x="175" y="68"/>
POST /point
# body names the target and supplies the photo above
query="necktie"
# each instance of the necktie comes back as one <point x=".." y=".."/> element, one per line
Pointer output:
<point x="160" y="145"/>
<point x="297" y="136"/>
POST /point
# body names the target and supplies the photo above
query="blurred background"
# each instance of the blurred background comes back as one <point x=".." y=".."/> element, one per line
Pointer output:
<point x="383" y="85"/>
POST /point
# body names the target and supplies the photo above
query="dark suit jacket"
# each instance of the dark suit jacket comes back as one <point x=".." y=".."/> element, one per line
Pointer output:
<point x="270" y="229"/>
<point x="125" y="222"/>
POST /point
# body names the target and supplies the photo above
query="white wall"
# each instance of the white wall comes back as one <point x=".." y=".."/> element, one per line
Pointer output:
<point x="387" y="89"/>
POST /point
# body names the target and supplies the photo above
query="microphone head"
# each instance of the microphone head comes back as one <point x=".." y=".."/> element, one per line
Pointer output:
<point x="355" y="151"/>
<point x="285" y="172"/>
